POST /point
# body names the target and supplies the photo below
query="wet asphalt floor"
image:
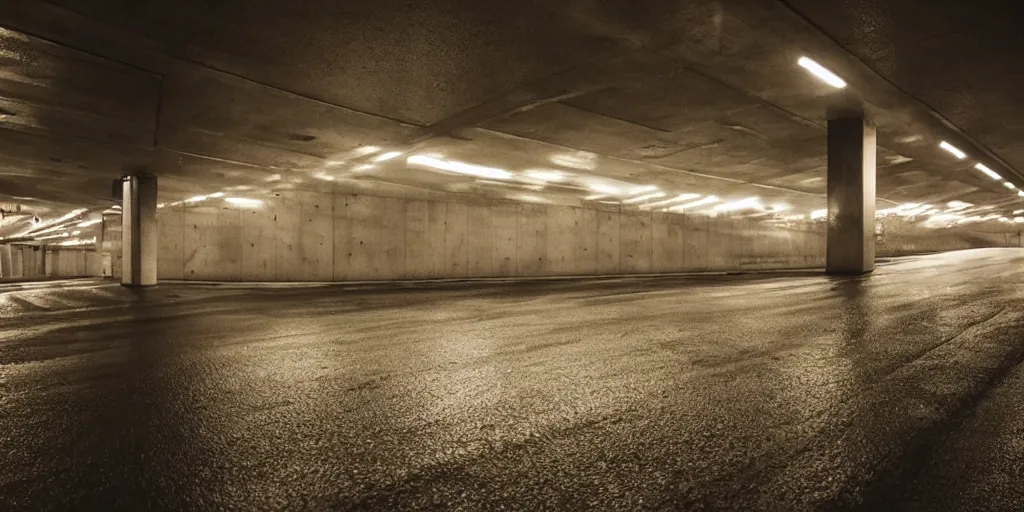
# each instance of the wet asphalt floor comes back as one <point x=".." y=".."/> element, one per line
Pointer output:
<point x="903" y="390"/>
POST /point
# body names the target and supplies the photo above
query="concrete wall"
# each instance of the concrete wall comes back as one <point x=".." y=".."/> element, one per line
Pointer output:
<point x="316" y="236"/>
<point x="897" y="237"/>
<point x="69" y="262"/>
<point x="319" y="236"/>
<point x="31" y="259"/>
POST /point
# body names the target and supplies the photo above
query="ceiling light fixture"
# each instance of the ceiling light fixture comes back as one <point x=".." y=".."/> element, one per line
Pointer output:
<point x="821" y="72"/>
<point x="953" y="149"/>
<point x="1009" y="185"/>
<point x="989" y="172"/>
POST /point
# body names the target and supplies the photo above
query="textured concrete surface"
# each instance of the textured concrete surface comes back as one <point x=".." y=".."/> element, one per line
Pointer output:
<point x="319" y="236"/>
<point x="58" y="263"/>
<point x="308" y="236"/>
<point x="901" y="390"/>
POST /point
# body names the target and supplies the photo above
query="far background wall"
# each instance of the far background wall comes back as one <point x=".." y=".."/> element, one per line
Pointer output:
<point x="324" y="236"/>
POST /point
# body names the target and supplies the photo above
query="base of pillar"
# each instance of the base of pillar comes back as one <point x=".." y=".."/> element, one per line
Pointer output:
<point x="848" y="273"/>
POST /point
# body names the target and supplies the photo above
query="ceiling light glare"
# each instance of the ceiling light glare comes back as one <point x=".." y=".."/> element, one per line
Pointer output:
<point x="958" y="205"/>
<point x="366" y="150"/>
<point x="678" y="199"/>
<point x="86" y="241"/>
<point x="1009" y="185"/>
<point x="390" y="155"/>
<point x="545" y="175"/>
<point x="530" y="199"/>
<point x="217" y="194"/>
<point x="905" y="209"/>
<point x="706" y="201"/>
<point x="605" y="189"/>
<point x="459" y="167"/>
<point x="750" y="203"/>
<point x="821" y="72"/>
<point x="953" y="149"/>
<point x="642" y="190"/>
<point x="646" y="197"/>
<point x="90" y="222"/>
<point x="1020" y="193"/>
<point x="195" y="199"/>
<point x="594" y="197"/>
<point x="244" y="201"/>
<point x="578" y="160"/>
<point x="819" y="214"/>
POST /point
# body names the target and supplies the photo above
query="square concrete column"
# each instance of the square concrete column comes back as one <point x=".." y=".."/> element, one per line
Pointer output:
<point x="138" y="230"/>
<point x="851" y="196"/>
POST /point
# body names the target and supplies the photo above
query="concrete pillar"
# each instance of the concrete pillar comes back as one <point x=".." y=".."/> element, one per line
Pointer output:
<point x="138" y="230"/>
<point x="851" y="196"/>
<point x="6" y="261"/>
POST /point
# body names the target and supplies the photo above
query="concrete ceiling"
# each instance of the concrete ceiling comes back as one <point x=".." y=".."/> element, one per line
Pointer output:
<point x="696" y="97"/>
